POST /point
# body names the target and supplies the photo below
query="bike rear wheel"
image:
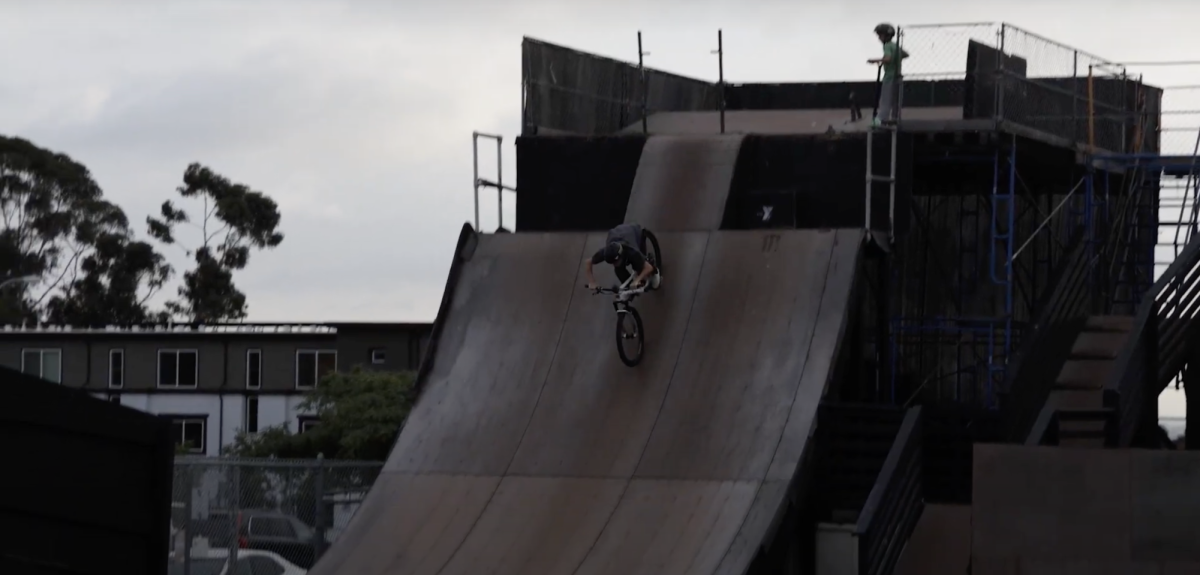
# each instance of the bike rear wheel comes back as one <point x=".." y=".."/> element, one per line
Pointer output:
<point x="655" y="252"/>
<point x="630" y="337"/>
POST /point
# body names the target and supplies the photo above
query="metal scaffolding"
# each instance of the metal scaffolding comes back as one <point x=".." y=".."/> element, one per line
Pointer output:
<point x="956" y="346"/>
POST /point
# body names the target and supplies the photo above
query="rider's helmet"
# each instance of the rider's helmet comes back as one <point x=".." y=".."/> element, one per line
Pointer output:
<point x="612" y="252"/>
<point x="886" y="30"/>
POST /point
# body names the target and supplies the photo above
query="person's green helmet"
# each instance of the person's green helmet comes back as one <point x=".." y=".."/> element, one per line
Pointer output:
<point x="885" y="29"/>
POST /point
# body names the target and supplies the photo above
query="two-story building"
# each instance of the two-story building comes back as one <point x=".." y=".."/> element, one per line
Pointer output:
<point x="211" y="380"/>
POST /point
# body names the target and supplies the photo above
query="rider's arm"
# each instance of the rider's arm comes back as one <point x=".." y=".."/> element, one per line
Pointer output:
<point x="591" y="279"/>
<point x="646" y="269"/>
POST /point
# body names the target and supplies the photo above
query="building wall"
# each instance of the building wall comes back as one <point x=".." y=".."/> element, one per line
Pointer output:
<point x="220" y="395"/>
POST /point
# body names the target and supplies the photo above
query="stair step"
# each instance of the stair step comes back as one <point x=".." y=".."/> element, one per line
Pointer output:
<point x="1099" y="344"/>
<point x="1084" y="374"/>
<point x="1120" y="323"/>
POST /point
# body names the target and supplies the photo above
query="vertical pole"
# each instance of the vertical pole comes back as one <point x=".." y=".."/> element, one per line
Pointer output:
<point x="1075" y="97"/>
<point x="870" y="173"/>
<point x="319" y="518"/>
<point x="721" y="76"/>
<point x="899" y="80"/>
<point x="1091" y="93"/>
<point x="1001" y="79"/>
<point x="188" y="488"/>
<point x="475" y="183"/>
<point x="500" y="181"/>
<point x="645" y="88"/>
<point x="236" y="470"/>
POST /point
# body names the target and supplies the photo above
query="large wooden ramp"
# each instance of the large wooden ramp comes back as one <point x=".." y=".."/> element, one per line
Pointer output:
<point x="533" y="449"/>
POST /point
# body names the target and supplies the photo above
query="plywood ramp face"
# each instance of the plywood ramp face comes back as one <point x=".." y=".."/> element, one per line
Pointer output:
<point x="533" y="449"/>
<point x="740" y="365"/>
<point x="670" y="528"/>
<point x="595" y="414"/>
<point x="682" y="183"/>
<point x="408" y="524"/>
<point x="537" y="525"/>
<point x="495" y="352"/>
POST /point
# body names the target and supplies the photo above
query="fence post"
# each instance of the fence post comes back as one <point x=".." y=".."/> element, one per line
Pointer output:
<point x="645" y="85"/>
<point x="1075" y="97"/>
<point x="319" y="522"/>
<point x="187" y="521"/>
<point x="235" y="511"/>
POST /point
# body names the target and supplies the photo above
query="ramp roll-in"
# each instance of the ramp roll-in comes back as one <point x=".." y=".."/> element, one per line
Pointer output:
<point x="533" y="449"/>
<point x="682" y="183"/>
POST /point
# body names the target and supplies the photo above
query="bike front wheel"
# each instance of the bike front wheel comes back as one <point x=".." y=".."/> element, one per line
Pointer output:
<point x="630" y="337"/>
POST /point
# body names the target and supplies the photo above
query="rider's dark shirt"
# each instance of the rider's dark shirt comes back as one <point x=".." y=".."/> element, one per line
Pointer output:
<point x="630" y="256"/>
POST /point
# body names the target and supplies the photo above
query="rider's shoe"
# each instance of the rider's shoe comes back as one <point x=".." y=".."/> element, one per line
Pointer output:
<point x="655" y="280"/>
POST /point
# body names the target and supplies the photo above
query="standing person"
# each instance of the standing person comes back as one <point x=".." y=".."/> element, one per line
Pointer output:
<point x="890" y="62"/>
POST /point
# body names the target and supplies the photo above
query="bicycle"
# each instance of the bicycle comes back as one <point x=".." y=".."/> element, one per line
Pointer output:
<point x="622" y="303"/>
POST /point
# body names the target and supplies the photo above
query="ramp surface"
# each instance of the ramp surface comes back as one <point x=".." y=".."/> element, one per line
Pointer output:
<point x="533" y="449"/>
<point x="682" y="182"/>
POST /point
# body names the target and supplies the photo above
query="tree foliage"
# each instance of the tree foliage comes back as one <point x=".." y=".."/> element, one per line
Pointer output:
<point x="360" y="414"/>
<point x="234" y="220"/>
<point x="57" y="225"/>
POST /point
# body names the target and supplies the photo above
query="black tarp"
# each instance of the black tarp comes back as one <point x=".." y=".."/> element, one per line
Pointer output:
<point x="575" y="183"/>
<point x="86" y="485"/>
<point x="832" y="95"/>
<point x="825" y="177"/>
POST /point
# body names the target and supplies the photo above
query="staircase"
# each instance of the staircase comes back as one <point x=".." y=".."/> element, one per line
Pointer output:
<point x="1078" y="391"/>
<point x="852" y="441"/>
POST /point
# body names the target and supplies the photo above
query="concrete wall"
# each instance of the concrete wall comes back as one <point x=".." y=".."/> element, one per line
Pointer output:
<point x="1043" y="510"/>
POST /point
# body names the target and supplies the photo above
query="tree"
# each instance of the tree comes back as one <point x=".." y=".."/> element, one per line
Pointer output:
<point x="235" y="220"/>
<point x="360" y="414"/>
<point x="57" y="226"/>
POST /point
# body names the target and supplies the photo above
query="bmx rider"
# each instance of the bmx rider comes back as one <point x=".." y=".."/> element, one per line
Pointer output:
<point x="625" y="250"/>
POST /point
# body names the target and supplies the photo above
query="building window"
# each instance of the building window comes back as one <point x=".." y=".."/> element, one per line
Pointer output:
<point x="177" y="368"/>
<point x="189" y="431"/>
<point x="307" y="423"/>
<point x="378" y="356"/>
<point x="43" y="363"/>
<point x="253" y="369"/>
<point x="250" y="425"/>
<point x="116" y="368"/>
<point x="312" y="365"/>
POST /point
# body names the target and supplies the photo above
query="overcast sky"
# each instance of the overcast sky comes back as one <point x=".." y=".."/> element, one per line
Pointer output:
<point x="356" y="116"/>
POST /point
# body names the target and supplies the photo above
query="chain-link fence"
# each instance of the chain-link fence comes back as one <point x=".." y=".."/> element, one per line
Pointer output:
<point x="261" y="510"/>
<point x="1012" y="74"/>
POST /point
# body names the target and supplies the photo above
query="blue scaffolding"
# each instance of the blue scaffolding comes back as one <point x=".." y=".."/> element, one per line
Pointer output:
<point x="1113" y="200"/>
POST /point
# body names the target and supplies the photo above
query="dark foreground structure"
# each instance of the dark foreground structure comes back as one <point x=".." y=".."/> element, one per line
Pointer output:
<point x="86" y="484"/>
<point x="849" y="317"/>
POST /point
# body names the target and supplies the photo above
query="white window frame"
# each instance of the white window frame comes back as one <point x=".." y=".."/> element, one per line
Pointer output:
<point x="246" y="414"/>
<point x="203" y="421"/>
<point x="111" y="354"/>
<point x="316" y="364"/>
<point x="382" y="353"/>
<point x="306" y="420"/>
<point x="252" y="353"/>
<point x="158" y="369"/>
<point x="41" y="351"/>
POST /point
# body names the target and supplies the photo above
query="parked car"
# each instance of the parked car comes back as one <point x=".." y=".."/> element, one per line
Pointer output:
<point x="261" y="529"/>
<point x="211" y="561"/>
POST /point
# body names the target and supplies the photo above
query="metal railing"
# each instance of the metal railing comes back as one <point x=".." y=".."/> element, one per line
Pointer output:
<point x="293" y="508"/>
<point x="895" y="502"/>
<point x="1025" y="78"/>
<point x="1157" y="348"/>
